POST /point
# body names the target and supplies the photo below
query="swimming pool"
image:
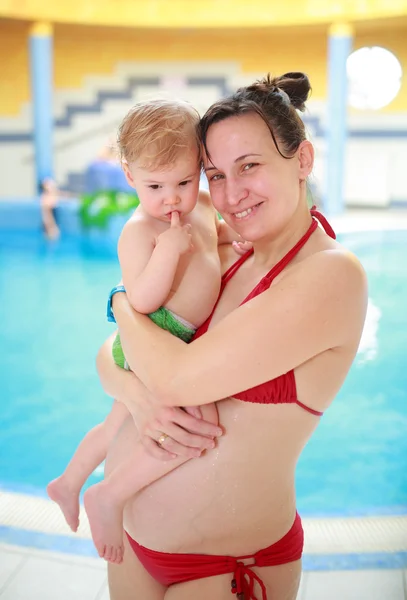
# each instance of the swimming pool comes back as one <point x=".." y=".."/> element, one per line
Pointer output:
<point x="54" y="297"/>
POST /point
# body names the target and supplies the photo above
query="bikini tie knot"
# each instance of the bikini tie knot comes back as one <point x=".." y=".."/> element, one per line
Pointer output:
<point x="244" y="579"/>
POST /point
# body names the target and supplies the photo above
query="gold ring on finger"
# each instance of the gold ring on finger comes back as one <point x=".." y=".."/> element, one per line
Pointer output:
<point x="162" y="439"/>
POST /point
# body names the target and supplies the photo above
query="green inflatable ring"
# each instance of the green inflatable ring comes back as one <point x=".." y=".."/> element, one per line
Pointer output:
<point x="97" y="209"/>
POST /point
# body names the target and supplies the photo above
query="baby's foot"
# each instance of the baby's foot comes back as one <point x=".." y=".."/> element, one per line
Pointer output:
<point x="67" y="500"/>
<point x="106" y="523"/>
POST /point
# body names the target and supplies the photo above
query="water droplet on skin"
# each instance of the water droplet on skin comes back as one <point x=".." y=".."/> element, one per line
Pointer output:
<point x="214" y="457"/>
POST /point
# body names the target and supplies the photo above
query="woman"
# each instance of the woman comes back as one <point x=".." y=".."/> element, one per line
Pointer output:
<point x="285" y="330"/>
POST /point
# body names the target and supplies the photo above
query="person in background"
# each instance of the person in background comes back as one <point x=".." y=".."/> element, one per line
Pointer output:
<point x="49" y="196"/>
<point x="105" y="173"/>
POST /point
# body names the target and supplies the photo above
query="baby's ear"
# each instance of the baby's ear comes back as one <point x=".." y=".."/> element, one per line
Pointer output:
<point x="127" y="172"/>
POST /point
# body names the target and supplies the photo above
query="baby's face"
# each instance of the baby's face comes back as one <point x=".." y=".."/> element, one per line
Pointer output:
<point x="171" y="188"/>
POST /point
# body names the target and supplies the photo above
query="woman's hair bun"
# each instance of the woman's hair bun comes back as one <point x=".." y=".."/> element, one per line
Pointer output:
<point x="296" y="86"/>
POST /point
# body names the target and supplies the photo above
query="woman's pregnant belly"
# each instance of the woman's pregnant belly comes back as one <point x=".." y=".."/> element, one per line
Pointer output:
<point x="237" y="498"/>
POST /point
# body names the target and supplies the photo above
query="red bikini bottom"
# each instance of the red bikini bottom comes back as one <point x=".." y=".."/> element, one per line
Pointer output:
<point x="168" y="568"/>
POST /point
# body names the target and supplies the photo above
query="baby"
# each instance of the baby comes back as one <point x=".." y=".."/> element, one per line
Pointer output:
<point x="168" y="254"/>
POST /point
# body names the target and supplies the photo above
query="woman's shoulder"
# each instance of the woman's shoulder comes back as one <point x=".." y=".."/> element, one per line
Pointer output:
<point x="341" y="262"/>
<point x="328" y="281"/>
<point x="324" y="259"/>
<point x="333" y="265"/>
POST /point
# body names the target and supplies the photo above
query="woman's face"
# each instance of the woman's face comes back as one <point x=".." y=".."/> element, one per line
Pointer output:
<point x="254" y="188"/>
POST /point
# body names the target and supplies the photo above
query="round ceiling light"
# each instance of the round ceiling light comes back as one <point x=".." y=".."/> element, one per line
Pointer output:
<point x="374" y="78"/>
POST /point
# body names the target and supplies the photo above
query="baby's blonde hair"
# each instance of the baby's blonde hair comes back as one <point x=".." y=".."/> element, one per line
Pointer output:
<point x="156" y="132"/>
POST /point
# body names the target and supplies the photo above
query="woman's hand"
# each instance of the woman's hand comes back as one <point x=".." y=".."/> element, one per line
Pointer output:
<point x="188" y="434"/>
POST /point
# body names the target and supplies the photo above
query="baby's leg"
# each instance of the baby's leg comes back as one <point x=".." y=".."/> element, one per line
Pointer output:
<point x="92" y="450"/>
<point x="104" y="502"/>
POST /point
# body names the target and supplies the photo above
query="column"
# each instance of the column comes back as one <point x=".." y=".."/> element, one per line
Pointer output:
<point x="41" y="68"/>
<point x="339" y="48"/>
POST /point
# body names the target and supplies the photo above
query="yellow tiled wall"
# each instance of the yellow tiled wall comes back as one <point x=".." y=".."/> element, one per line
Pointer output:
<point x="82" y="50"/>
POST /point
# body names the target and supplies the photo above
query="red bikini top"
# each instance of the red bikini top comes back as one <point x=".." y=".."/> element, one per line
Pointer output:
<point x="282" y="389"/>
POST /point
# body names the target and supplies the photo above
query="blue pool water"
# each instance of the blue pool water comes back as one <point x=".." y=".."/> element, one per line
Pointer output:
<point x="54" y="298"/>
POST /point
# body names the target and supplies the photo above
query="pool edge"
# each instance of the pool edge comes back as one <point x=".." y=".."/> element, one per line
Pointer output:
<point x="331" y="543"/>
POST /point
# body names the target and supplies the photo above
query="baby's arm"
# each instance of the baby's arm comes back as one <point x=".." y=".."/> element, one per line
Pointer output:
<point x="149" y="264"/>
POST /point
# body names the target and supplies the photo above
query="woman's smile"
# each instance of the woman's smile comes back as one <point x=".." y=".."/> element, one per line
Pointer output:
<point x="247" y="213"/>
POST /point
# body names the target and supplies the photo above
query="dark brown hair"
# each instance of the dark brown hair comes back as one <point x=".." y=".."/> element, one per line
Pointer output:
<point x="276" y="100"/>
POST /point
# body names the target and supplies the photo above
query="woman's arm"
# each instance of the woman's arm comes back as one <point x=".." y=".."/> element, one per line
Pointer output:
<point x="187" y="431"/>
<point x="318" y="305"/>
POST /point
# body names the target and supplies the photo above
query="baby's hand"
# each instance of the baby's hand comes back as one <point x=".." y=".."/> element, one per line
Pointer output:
<point x="242" y="247"/>
<point x="178" y="236"/>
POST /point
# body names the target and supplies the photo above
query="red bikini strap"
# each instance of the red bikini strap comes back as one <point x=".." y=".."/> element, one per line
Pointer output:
<point x="228" y="274"/>
<point x="243" y="582"/>
<point x="290" y="255"/>
<point x="280" y="266"/>
<point x="317" y="413"/>
<point x="324" y="222"/>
